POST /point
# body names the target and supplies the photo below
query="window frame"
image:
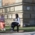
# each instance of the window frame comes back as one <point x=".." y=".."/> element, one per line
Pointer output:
<point x="6" y="16"/>
<point x="9" y="16"/>
<point x="18" y="7"/>
<point x="13" y="9"/>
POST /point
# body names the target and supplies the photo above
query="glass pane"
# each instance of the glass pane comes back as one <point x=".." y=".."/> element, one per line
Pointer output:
<point x="28" y="8"/>
<point x="7" y="9"/>
<point x="13" y="15"/>
<point x="24" y="8"/>
<point x="11" y="8"/>
<point x="18" y="8"/>
<point x="0" y="3"/>
<point x="9" y="16"/>
<point x="34" y="7"/>
<point x="0" y="10"/>
<point x="21" y="15"/>
<point x="30" y="1"/>
<point x="5" y="16"/>
<point x="3" y="10"/>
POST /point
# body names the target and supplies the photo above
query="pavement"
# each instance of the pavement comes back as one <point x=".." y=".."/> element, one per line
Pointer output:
<point x="24" y="33"/>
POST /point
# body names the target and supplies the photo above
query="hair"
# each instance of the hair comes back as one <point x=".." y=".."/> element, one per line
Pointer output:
<point x="17" y="16"/>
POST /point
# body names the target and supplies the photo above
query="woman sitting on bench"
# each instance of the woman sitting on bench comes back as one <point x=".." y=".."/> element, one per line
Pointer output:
<point x="16" y="23"/>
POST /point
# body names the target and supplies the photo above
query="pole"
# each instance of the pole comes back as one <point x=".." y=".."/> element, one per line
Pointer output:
<point x="34" y="19"/>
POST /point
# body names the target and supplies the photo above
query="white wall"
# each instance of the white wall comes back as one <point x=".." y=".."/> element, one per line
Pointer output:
<point x="17" y="8"/>
<point x="17" y="1"/>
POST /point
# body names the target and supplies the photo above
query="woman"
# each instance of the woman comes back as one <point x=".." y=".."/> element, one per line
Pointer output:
<point x="2" y="20"/>
<point x="16" y="23"/>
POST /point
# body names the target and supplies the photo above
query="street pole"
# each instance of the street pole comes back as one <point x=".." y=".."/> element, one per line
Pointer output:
<point x="34" y="19"/>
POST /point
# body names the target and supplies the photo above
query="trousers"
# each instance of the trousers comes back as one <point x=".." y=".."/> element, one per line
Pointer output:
<point x="13" y="24"/>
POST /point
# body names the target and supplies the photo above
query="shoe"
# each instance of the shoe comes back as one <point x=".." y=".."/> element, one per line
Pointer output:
<point x="4" y="29"/>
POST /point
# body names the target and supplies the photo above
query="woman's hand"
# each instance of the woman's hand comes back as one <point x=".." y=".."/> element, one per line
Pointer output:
<point x="18" y="24"/>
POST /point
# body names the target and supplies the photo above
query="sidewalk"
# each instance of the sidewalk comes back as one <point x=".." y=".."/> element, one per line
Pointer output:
<point x="25" y="33"/>
<point x="10" y="31"/>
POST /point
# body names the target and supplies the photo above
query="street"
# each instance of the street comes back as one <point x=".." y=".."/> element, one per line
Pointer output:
<point x="25" y="33"/>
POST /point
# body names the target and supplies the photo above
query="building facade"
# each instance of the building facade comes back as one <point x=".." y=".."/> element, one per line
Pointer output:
<point x="29" y="12"/>
<point x="24" y="8"/>
<point x="9" y="8"/>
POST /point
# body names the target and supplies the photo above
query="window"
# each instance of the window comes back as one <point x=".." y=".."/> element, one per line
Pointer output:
<point x="28" y="8"/>
<point x="13" y="15"/>
<point x="24" y="7"/>
<point x="21" y="15"/>
<point x="32" y="15"/>
<point x="0" y="3"/>
<point x="9" y="16"/>
<point x="27" y="1"/>
<point x="7" y="9"/>
<point x="3" y="10"/>
<point x="11" y="8"/>
<point x="33" y="1"/>
<point x="34" y="8"/>
<point x="0" y="10"/>
<point x="17" y="8"/>
<point x="5" y="16"/>
<point x="18" y="1"/>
